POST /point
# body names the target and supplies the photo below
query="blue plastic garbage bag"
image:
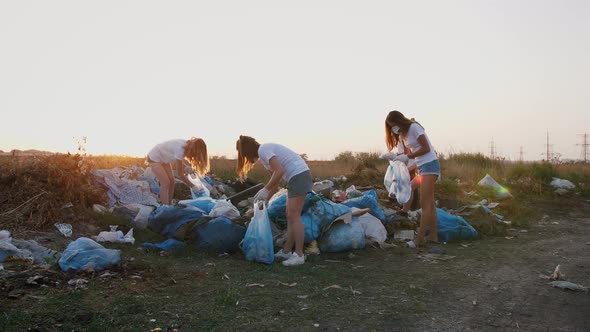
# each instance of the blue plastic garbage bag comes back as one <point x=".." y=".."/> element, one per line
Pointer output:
<point x="258" y="244"/>
<point x="218" y="235"/>
<point x="166" y="219"/>
<point x="277" y="207"/>
<point x="168" y="245"/>
<point x="453" y="228"/>
<point x="342" y="237"/>
<point x="85" y="254"/>
<point x="397" y="181"/>
<point x="202" y="184"/>
<point x="368" y="200"/>
<point x="204" y="203"/>
<point x="320" y="215"/>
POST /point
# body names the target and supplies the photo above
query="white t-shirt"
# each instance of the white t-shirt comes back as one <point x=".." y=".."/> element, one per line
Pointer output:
<point x="168" y="151"/>
<point x="291" y="161"/>
<point x="400" y="150"/>
<point x="411" y="142"/>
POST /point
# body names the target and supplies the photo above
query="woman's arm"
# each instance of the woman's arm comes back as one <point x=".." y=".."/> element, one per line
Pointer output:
<point x="424" y="148"/>
<point x="277" y="174"/>
<point x="182" y="174"/>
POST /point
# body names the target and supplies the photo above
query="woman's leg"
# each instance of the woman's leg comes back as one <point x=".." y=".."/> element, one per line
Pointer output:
<point x="413" y="185"/>
<point x="428" y="209"/>
<point x="295" y="229"/>
<point x="170" y="174"/>
<point x="161" y="172"/>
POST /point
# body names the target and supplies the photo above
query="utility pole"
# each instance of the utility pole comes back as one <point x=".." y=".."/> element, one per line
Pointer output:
<point x="521" y="158"/>
<point x="584" y="145"/>
<point x="492" y="150"/>
<point x="548" y="154"/>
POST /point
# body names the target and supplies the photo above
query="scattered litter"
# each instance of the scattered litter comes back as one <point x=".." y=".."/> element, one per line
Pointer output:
<point x="107" y="275"/>
<point x="332" y="261"/>
<point x="316" y="325"/>
<point x="288" y="285"/>
<point x="386" y="245"/>
<point x="509" y="237"/>
<point x="404" y="234"/>
<point x="354" y="292"/>
<point x="557" y="275"/>
<point x="568" y="285"/>
<point x="115" y="236"/>
<point x="33" y="280"/>
<point x="252" y="285"/>
<point x="562" y="186"/>
<point x="500" y="192"/>
<point x="78" y="283"/>
<point x="303" y="297"/>
<point x="435" y="257"/>
<point x="225" y="276"/>
<point x="65" y="229"/>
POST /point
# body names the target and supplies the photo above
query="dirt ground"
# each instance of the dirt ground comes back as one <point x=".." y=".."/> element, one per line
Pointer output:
<point x="488" y="284"/>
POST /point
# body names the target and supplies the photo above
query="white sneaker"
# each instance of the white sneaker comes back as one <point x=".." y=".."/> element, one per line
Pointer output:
<point x="283" y="255"/>
<point x="294" y="260"/>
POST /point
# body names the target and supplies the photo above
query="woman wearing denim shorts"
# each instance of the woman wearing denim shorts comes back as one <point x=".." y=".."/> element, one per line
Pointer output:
<point x="284" y="164"/>
<point x="417" y="146"/>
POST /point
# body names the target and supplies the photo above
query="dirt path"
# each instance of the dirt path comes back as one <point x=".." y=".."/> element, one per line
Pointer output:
<point x="507" y="293"/>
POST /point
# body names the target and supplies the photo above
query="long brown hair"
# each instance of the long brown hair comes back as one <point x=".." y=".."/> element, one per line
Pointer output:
<point x="195" y="151"/>
<point x="247" y="155"/>
<point x="396" y="117"/>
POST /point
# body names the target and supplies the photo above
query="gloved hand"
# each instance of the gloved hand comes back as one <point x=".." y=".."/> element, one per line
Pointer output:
<point x="261" y="195"/>
<point x="403" y="158"/>
<point x="388" y="155"/>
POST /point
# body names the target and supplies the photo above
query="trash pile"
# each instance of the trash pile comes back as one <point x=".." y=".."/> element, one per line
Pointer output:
<point x="222" y="218"/>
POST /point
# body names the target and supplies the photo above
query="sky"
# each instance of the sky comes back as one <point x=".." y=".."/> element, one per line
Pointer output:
<point x="316" y="76"/>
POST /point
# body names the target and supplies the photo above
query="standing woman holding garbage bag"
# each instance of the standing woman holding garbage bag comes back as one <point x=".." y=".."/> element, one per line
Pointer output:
<point x="417" y="146"/>
<point x="282" y="163"/>
<point x="163" y="155"/>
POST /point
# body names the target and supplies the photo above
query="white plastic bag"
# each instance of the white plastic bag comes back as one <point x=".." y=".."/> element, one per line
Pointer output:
<point x="224" y="208"/>
<point x="397" y="181"/>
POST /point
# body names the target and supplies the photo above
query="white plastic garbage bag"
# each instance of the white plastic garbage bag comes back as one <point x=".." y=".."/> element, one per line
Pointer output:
<point x="373" y="227"/>
<point x="115" y="236"/>
<point x="500" y="192"/>
<point x="224" y="208"/>
<point x="397" y="181"/>
<point x="562" y="184"/>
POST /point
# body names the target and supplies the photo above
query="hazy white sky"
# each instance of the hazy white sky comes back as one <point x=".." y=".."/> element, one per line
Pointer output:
<point x="317" y="76"/>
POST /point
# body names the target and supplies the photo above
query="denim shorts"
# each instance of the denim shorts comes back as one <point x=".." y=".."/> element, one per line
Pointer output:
<point x="430" y="168"/>
<point x="300" y="184"/>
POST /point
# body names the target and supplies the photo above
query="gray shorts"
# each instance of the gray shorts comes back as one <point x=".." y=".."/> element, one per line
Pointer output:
<point x="300" y="184"/>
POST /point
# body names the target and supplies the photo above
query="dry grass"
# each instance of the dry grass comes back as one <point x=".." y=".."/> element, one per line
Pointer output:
<point x="33" y="190"/>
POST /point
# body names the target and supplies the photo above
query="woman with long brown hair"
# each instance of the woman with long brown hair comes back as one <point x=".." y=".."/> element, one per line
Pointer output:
<point x="162" y="156"/>
<point x="283" y="164"/>
<point x="417" y="146"/>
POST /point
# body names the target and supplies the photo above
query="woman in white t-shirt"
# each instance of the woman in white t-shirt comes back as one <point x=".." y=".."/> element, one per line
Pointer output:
<point x="283" y="163"/>
<point x="176" y="151"/>
<point x="417" y="146"/>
